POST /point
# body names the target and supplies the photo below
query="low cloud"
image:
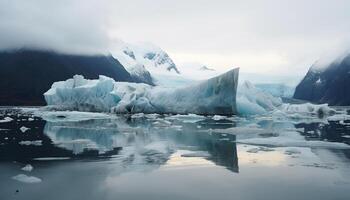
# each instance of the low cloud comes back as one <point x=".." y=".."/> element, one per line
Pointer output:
<point x="77" y="27"/>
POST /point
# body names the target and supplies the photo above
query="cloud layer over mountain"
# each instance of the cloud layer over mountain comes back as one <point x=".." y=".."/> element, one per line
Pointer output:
<point x="272" y="36"/>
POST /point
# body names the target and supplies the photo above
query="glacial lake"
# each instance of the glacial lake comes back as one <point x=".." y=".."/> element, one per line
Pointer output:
<point x="74" y="155"/>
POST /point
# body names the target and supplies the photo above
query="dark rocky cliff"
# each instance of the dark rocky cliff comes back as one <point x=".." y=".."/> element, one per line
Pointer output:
<point x="26" y="74"/>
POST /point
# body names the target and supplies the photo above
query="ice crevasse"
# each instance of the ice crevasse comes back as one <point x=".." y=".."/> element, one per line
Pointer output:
<point x="213" y="96"/>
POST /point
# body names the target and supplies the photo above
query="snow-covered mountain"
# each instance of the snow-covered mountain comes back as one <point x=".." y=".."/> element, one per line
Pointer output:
<point x="144" y="61"/>
<point x="327" y="83"/>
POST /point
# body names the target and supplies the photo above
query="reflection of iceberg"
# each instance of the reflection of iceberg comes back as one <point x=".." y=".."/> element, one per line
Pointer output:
<point x="214" y="96"/>
<point x="140" y="141"/>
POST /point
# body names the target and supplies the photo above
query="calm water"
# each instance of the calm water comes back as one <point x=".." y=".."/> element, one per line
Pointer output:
<point x="87" y="156"/>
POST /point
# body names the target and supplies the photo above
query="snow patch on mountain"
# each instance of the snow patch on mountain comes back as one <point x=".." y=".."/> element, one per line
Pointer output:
<point x="145" y="61"/>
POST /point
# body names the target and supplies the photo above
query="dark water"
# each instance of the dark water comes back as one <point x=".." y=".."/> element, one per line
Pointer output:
<point x="172" y="157"/>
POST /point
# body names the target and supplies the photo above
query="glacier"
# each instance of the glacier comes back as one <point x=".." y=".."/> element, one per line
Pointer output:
<point x="213" y="96"/>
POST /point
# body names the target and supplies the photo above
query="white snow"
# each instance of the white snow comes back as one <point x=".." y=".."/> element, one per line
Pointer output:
<point x="24" y="129"/>
<point x="26" y="179"/>
<point x="28" y="168"/>
<point x="214" y="96"/>
<point x="140" y="59"/>
<point x="6" y="119"/>
<point x="318" y="81"/>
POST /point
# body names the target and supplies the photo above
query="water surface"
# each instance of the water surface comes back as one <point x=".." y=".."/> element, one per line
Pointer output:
<point x="100" y="156"/>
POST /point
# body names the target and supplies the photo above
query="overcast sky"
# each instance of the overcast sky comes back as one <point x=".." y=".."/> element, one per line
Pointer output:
<point x="262" y="36"/>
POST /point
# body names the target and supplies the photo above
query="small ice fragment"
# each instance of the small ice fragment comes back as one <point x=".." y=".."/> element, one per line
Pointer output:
<point x="27" y="168"/>
<point x="218" y="117"/>
<point x="24" y="129"/>
<point x="6" y="119"/>
<point x="138" y="115"/>
<point x="26" y="179"/>
<point x="35" y="143"/>
<point x="51" y="158"/>
<point x="30" y="119"/>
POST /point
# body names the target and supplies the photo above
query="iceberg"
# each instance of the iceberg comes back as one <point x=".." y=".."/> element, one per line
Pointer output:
<point x="213" y="96"/>
<point x="26" y="179"/>
<point x="251" y="101"/>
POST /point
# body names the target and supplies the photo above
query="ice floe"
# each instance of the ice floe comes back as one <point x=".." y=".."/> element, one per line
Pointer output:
<point x="6" y="119"/>
<point x="26" y="179"/>
<point x="24" y="129"/>
<point x="34" y="143"/>
<point x="27" y="168"/>
<point x="71" y="116"/>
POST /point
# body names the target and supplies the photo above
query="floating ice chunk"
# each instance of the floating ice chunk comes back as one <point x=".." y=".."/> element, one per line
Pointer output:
<point x="190" y="118"/>
<point x="35" y="143"/>
<point x="138" y="115"/>
<point x="152" y="116"/>
<point x="30" y="119"/>
<point x="308" y="108"/>
<point x="27" y="168"/>
<point x="218" y="117"/>
<point x="26" y="179"/>
<point x="51" y="158"/>
<point x="6" y="119"/>
<point x="339" y="117"/>
<point x="24" y="129"/>
<point x="71" y="116"/>
<point x="214" y="96"/>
